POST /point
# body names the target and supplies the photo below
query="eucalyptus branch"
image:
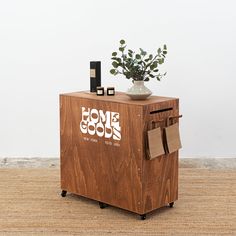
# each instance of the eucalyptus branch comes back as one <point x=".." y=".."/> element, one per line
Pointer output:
<point x="138" y="66"/>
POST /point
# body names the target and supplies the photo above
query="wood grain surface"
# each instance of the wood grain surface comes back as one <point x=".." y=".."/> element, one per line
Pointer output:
<point x="117" y="173"/>
<point x="160" y="175"/>
<point x="119" y="97"/>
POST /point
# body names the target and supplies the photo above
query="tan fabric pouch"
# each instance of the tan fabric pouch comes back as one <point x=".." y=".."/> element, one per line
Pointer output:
<point x="155" y="145"/>
<point x="172" y="138"/>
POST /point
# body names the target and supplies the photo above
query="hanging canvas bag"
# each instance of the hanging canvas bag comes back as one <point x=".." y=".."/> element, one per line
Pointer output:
<point x="154" y="147"/>
<point x="172" y="135"/>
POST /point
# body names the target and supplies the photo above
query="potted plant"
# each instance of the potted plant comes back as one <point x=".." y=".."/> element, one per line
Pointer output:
<point x="139" y="67"/>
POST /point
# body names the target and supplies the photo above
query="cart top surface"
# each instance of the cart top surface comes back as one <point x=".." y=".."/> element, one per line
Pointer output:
<point x="119" y="97"/>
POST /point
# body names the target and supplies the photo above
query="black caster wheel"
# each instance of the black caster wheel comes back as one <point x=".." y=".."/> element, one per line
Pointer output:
<point x="171" y="204"/>
<point x="102" y="205"/>
<point x="63" y="193"/>
<point x="143" y="217"/>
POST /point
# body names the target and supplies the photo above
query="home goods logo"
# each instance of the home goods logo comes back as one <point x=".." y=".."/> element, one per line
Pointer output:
<point x="100" y="123"/>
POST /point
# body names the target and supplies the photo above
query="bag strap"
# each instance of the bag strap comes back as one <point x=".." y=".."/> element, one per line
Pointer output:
<point x="153" y="123"/>
<point x="172" y="117"/>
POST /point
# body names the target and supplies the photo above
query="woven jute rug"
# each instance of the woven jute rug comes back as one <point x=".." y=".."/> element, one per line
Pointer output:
<point x="30" y="204"/>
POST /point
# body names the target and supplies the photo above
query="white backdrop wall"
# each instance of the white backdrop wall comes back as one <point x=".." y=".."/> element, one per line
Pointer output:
<point x="46" y="46"/>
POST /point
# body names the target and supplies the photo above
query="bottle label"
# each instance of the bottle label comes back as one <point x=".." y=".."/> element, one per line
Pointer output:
<point x="92" y="73"/>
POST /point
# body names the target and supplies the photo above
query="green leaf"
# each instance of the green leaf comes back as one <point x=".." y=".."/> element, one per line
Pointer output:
<point x="164" y="52"/>
<point x="155" y="62"/>
<point x="115" y="64"/>
<point x="130" y="51"/>
<point x="112" y="71"/>
<point x="114" y="54"/>
<point x="137" y="56"/>
<point x="153" y="66"/>
<point x="128" y="75"/>
<point x="158" y="51"/>
<point x="115" y="58"/>
<point x="165" y="47"/>
<point x="143" y="53"/>
<point x="121" y="49"/>
<point x="161" y="60"/>
<point x="146" y="60"/>
<point x="150" y="57"/>
<point x="147" y="79"/>
<point x="122" y="41"/>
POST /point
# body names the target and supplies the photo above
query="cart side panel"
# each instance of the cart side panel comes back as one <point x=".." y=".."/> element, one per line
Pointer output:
<point x="65" y="142"/>
<point x="160" y="175"/>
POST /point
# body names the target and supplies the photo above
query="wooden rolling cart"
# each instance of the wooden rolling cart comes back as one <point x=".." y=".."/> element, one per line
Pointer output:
<point x="103" y="151"/>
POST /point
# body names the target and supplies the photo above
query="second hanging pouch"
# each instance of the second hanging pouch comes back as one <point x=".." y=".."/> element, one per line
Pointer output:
<point x="172" y="136"/>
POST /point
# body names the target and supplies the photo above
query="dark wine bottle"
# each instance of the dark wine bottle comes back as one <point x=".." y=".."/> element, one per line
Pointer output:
<point x="95" y="75"/>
